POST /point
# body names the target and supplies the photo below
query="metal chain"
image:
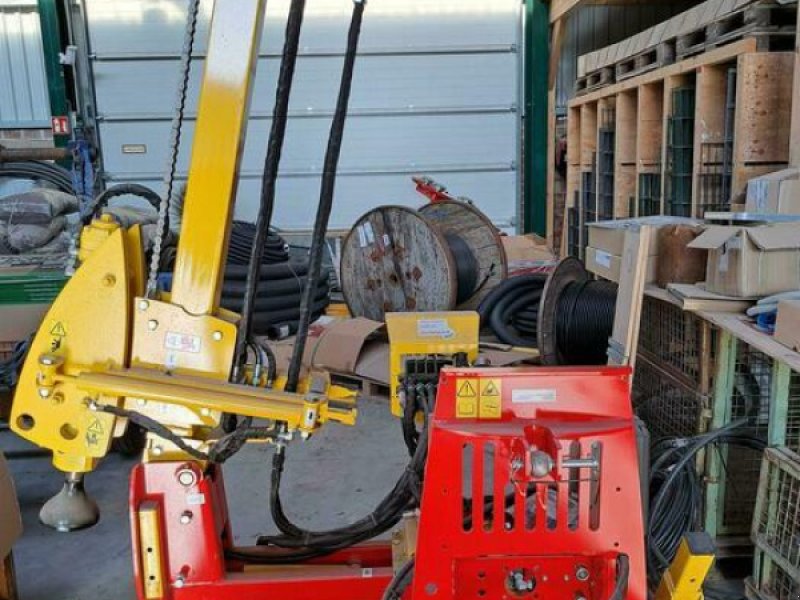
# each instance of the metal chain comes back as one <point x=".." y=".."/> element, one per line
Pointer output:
<point x="174" y="144"/>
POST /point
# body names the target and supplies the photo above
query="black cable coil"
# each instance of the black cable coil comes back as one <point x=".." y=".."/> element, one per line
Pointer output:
<point x="585" y="321"/>
<point x="280" y="284"/>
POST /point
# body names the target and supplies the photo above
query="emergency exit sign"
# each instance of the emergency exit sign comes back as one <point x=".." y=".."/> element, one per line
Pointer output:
<point x="60" y="125"/>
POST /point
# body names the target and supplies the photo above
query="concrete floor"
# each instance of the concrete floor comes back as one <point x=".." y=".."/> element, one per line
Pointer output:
<point x="336" y="476"/>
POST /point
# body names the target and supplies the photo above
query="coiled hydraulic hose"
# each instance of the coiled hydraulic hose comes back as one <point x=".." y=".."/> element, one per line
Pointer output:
<point x="53" y="174"/>
<point x="123" y="189"/>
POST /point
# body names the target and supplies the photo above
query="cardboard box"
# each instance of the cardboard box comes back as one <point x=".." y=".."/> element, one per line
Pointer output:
<point x="764" y="193"/>
<point x="787" y="327"/>
<point x="609" y="236"/>
<point x="10" y="519"/>
<point x="751" y="262"/>
<point x="789" y="198"/>
<point x="609" y="266"/>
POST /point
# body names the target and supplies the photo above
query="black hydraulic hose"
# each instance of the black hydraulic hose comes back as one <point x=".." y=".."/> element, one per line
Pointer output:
<point x="623" y="574"/>
<point x="326" y="192"/>
<point x="400" y="582"/>
<point x="280" y="116"/>
<point x="123" y="189"/>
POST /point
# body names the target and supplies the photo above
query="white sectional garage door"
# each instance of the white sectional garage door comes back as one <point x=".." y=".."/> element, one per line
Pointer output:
<point x="436" y="92"/>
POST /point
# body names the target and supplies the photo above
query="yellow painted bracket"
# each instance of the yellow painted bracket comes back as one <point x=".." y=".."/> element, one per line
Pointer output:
<point x="685" y="577"/>
<point x="426" y="334"/>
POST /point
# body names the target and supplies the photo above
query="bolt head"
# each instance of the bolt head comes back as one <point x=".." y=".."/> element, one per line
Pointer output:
<point x="44" y="393"/>
<point x="186" y="517"/>
<point x="187" y="477"/>
<point x="217" y="336"/>
<point x="157" y="450"/>
<point x="581" y="573"/>
<point x="109" y="280"/>
<point x="179" y="581"/>
<point x="143" y="305"/>
<point x="541" y="463"/>
<point x="152" y="324"/>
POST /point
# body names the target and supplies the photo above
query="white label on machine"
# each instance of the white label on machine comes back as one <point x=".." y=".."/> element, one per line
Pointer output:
<point x="195" y="499"/>
<point x="434" y="328"/>
<point x="182" y="342"/>
<point x="367" y="573"/>
<point x="528" y="396"/>
<point x="603" y="259"/>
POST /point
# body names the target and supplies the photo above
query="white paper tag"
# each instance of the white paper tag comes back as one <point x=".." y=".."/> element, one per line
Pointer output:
<point x="368" y="233"/>
<point x="723" y="262"/>
<point x="182" y="342"/>
<point x="362" y="237"/>
<point x="603" y="259"/>
<point x="530" y="396"/>
<point x="195" y="499"/>
<point x="434" y="328"/>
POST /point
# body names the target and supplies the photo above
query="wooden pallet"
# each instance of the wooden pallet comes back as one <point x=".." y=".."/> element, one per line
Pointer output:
<point x="773" y="25"/>
<point x="365" y="387"/>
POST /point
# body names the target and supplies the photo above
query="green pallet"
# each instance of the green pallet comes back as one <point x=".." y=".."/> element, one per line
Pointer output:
<point x="39" y="287"/>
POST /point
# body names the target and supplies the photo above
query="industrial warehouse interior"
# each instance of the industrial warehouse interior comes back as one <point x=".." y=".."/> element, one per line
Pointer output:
<point x="399" y="300"/>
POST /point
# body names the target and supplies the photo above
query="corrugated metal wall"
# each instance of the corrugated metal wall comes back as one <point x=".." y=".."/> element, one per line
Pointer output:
<point x="24" y="98"/>
<point x="436" y="91"/>
<point x="593" y="27"/>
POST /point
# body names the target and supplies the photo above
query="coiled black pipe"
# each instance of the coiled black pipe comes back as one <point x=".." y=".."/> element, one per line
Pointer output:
<point x="243" y="238"/>
<point x="585" y="320"/>
<point x="515" y="296"/>
<point x="37" y="170"/>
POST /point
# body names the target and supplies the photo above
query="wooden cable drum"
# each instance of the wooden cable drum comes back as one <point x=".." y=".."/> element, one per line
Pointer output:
<point x="395" y="259"/>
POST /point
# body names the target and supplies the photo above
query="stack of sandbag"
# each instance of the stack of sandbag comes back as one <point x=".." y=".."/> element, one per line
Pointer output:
<point x="36" y="221"/>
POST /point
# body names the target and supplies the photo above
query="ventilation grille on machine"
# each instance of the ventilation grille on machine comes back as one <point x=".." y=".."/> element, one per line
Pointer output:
<point x="499" y="494"/>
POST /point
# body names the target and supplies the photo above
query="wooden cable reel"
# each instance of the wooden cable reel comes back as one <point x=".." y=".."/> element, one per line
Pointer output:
<point x="444" y="256"/>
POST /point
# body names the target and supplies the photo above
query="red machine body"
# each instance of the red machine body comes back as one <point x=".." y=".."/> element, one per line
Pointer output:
<point x="537" y="501"/>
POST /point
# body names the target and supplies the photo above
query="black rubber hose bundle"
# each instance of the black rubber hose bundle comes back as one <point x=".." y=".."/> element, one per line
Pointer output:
<point x="511" y="309"/>
<point x="53" y="174"/>
<point x="241" y="244"/>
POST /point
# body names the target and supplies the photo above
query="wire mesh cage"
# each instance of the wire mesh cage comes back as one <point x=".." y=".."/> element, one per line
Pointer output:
<point x="574" y="229"/>
<point x="713" y="178"/>
<point x="680" y="153"/>
<point x="649" y="194"/>
<point x="771" y="581"/>
<point x="666" y="404"/>
<point x="675" y="369"/>
<point x="792" y="427"/>
<point x="776" y="524"/>
<point x="605" y="166"/>
<point x="744" y="391"/>
<point x="750" y="399"/>
<point x="679" y="340"/>
<point x="776" y="528"/>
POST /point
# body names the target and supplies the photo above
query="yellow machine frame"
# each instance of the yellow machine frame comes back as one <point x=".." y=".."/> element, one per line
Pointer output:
<point x="428" y="334"/>
<point x="104" y="343"/>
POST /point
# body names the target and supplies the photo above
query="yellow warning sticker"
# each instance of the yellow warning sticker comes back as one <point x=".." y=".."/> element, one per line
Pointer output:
<point x="58" y="330"/>
<point x="466" y="398"/>
<point x="490" y="405"/>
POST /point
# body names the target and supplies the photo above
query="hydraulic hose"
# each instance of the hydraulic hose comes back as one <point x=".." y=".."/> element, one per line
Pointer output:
<point x="280" y="116"/>
<point x="326" y="193"/>
<point x="123" y="189"/>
